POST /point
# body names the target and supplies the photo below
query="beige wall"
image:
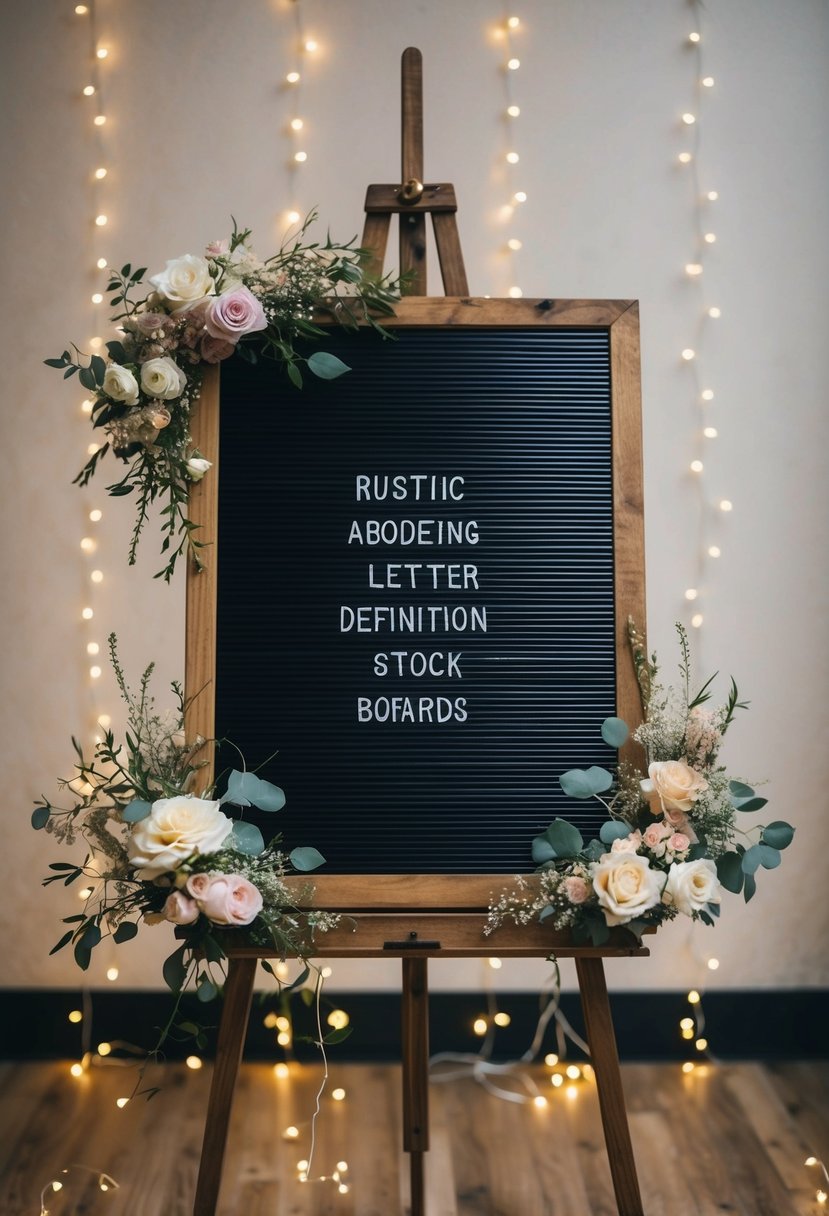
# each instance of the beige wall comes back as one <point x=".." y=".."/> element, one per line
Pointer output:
<point x="196" y="131"/>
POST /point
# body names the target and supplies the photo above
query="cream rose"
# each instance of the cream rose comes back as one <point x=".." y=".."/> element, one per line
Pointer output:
<point x="625" y="886"/>
<point x="120" y="384"/>
<point x="675" y="784"/>
<point x="197" y="466"/>
<point x="226" y="899"/>
<point x="692" y="885"/>
<point x="162" y="379"/>
<point x="627" y="844"/>
<point x="180" y="910"/>
<point x="174" y="830"/>
<point x="185" y="280"/>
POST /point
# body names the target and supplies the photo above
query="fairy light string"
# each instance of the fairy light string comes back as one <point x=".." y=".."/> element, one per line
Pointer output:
<point x="508" y="35"/>
<point x="304" y="46"/>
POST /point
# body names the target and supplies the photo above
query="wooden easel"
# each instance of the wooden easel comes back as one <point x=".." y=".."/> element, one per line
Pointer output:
<point x="445" y="916"/>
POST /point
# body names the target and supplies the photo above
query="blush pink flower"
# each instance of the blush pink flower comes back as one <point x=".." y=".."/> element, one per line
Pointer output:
<point x="217" y="249"/>
<point x="627" y="844"/>
<point x="213" y="350"/>
<point x="679" y="842"/>
<point x="180" y="910"/>
<point x="576" y="889"/>
<point x="655" y="836"/>
<point x="234" y="314"/>
<point x="225" y="899"/>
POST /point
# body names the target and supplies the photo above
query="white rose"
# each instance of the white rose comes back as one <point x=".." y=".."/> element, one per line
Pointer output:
<point x="692" y="885"/>
<point x="625" y="886"/>
<point x="197" y="466"/>
<point x="676" y="785"/>
<point x="120" y="384"/>
<point x="185" y="280"/>
<point x="174" y="830"/>
<point x="162" y="379"/>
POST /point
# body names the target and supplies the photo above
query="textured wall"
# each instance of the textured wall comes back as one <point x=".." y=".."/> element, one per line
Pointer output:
<point x="196" y="131"/>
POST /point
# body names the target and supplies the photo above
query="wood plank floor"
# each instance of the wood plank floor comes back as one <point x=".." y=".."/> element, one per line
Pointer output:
<point x="733" y="1140"/>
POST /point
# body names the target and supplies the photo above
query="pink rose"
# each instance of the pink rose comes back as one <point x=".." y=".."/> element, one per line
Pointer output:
<point x="576" y="889"/>
<point x="679" y="842"/>
<point x="213" y="350"/>
<point x="655" y="836"/>
<point x="226" y="899"/>
<point x="217" y="249"/>
<point x="180" y="910"/>
<point x="234" y="314"/>
<point x="149" y="323"/>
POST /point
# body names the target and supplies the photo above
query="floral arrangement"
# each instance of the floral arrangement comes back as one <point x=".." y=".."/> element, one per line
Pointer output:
<point x="201" y="310"/>
<point x="669" y="845"/>
<point x="157" y="853"/>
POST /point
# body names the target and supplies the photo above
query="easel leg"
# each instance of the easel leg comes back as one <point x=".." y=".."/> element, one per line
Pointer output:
<point x="232" y="1031"/>
<point x="415" y="1043"/>
<point x="605" y="1060"/>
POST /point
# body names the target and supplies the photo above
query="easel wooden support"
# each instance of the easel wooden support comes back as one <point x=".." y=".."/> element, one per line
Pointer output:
<point x="384" y="919"/>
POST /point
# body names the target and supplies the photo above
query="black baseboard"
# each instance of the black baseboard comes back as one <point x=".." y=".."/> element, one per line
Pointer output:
<point x="757" y="1024"/>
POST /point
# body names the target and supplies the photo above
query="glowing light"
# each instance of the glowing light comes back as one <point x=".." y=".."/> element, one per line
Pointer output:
<point x="708" y="81"/>
<point x="292" y="217"/>
<point x="515" y="293"/>
<point x="712" y="196"/>
<point x="686" y="1024"/>
<point x="513" y="64"/>
<point x="338" y="1094"/>
<point x="343" y="1188"/>
<point x="326" y="973"/>
<point x="693" y="997"/>
<point x="714" y="551"/>
<point x="81" y="9"/>
<point x="302" y="1165"/>
<point x="513" y="22"/>
<point x="100" y="120"/>
<point x="112" y="974"/>
<point x="342" y="1166"/>
<point x="539" y="1100"/>
<point x="714" y="312"/>
<point x="696" y="466"/>
<point x="502" y="1019"/>
<point x="693" y="37"/>
<point x="85" y="892"/>
<point x="726" y="504"/>
<point x="102" y="265"/>
<point x="194" y="1062"/>
<point x="821" y="1196"/>
<point x="557" y="1080"/>
<point x="513" y="158"/>
<point x="701" y="1044"/>
<point x="101" y="174"/>
<point x="283" y="1038"/>
<point x="97" y="576"/>
<point x="696" y="620"/>
<point x="291" y="1133"/>
<point x="713" y="964"/>
<point x="87" y="614"/>
<point x="88" y="544"/>
<point x="707" y="394"/>
<point x="86" y="407"/>
<point x="572" y="1091"/>
<point x="281" y="1022"/>
<point x="520" y="196"/>
<point x="693" y="269"/>
<point x="104" y="1049"/>
<point x="514" y="243"/>
<point x="688" y="354"/>
<point x="338" y="1018"/>
<point x="89" y="90"/>
<point x="688" y="1067"/>
<point x="292" y="78"/>
<point x="551" y="1059"/>
<point x="96" y="515"/>
<point x="479" y="1026"/>
<point x="685" y="158"/>
<point x="710" y="238"/>
<point x="688" y="1032"/>
<point x="300" y="157"/>
<point x="101" y="52"/>
<point x="281" y="1070"/>
<point x="100" y="220"/>
<point x="688" y="119"/>
<point x="810" y="1161"/>
<point x="76" y="1070"/>
<point x="105" y="721"/>
<point x="297" y="124"/>
<point x="96" y="344"/>
<point x="311" y="45"/>
<point x="121" y="1102"/>
<point x="573" y="1072"/>
<point x="97" y="298"/>
<point x="57" y="1186"/>
<point x="75" y="1016"/>
<point x="513" y="111"/>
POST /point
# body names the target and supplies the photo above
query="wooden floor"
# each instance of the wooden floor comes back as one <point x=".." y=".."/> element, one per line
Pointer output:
<point x="733" y="1140"/>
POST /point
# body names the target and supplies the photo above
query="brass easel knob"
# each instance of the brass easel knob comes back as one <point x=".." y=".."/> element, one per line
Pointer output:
<point x="411" y="191"/>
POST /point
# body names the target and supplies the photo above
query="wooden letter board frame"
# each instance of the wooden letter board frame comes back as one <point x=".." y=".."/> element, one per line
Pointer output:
<point x="439" y="915"/>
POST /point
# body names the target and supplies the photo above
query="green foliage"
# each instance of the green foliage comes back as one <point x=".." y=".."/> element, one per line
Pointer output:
<point x="615" y="732"/>
<point x="560" y="839"/>
<point x="585" y="783"/>
<point x="306" y="858"/>
<point x="613" y="829"/>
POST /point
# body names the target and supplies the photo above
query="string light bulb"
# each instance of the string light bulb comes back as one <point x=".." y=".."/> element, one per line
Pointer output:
<point x="300" y="157"/>
<point x="513" y="158"/>
<point x="102" y="265"/>
<point x="693" y="269"/>
<point x="685" y="158"/>
<point x="513" y="22"/>
<point x="688" y="354"/>
<point x="708" y="82"/>
<point x="293" y="78"/>
<point x="100" y="175"/>
<point x="688" y="118"/>
<point x="712" y="196"/>
<point x="694" y="37"/>
<point x="520" y="196"/>
<point x="707" y="394"/>
<point x="513" y="111"/>
<point x="696" y="466"/>
<point x="710" y="238"/>
<point x="338" y="1095"/>
<point x="714" y="313"/>
<point x="726" y="504"/>
<point x="89" y="90"/>
<point x="479" y="1027"/>
<point x="696" y="620"/>
<point x="513" y="64"/>
<point x="311" y="45"/>
<point x="100" y="220"/>
<point x="297" y="124"/>
<point x="101" y="52"/>
<point x="714" y="551"/>
<point x="514" y="244"/>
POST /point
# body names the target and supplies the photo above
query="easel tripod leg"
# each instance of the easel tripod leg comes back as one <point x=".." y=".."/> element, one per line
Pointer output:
<point x="232" y="1031"/>
<point x="415" y="1044"/>
<point x="605" y="1060"/>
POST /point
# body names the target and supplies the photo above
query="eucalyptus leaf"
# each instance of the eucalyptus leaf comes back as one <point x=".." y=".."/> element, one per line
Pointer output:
<point x="207" y="991"/>
<point x="730" y="872"/>
<point x="247" y="838"/>
<point x="769" y="858"/>
<point x="546" y="913"/>
<point x="749" y="804"/>
<point x="615" y="732"/>
<point x="326" y="366"/>
<point x="64" y="941"/>
<point x="752" y="859"/>
<point x="613" y="830"/>
<point x="174" y="970"/>
<point x="542" y="851"/>
<point x="337" y="1036"/>
<point x="40" y="817"/>
<point x="246" y="789"/>
<point x="749" y="887"/>
<point x="585" y="783"/>
<point x="306" y="858"/>
<point x="136" y="810"/>
<point x="294" y="374"/>
<point x="565" y="840"/>
<point x="125" y="932"/>
<point x="738" y="789"/>
<point x="778" y="834"/>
